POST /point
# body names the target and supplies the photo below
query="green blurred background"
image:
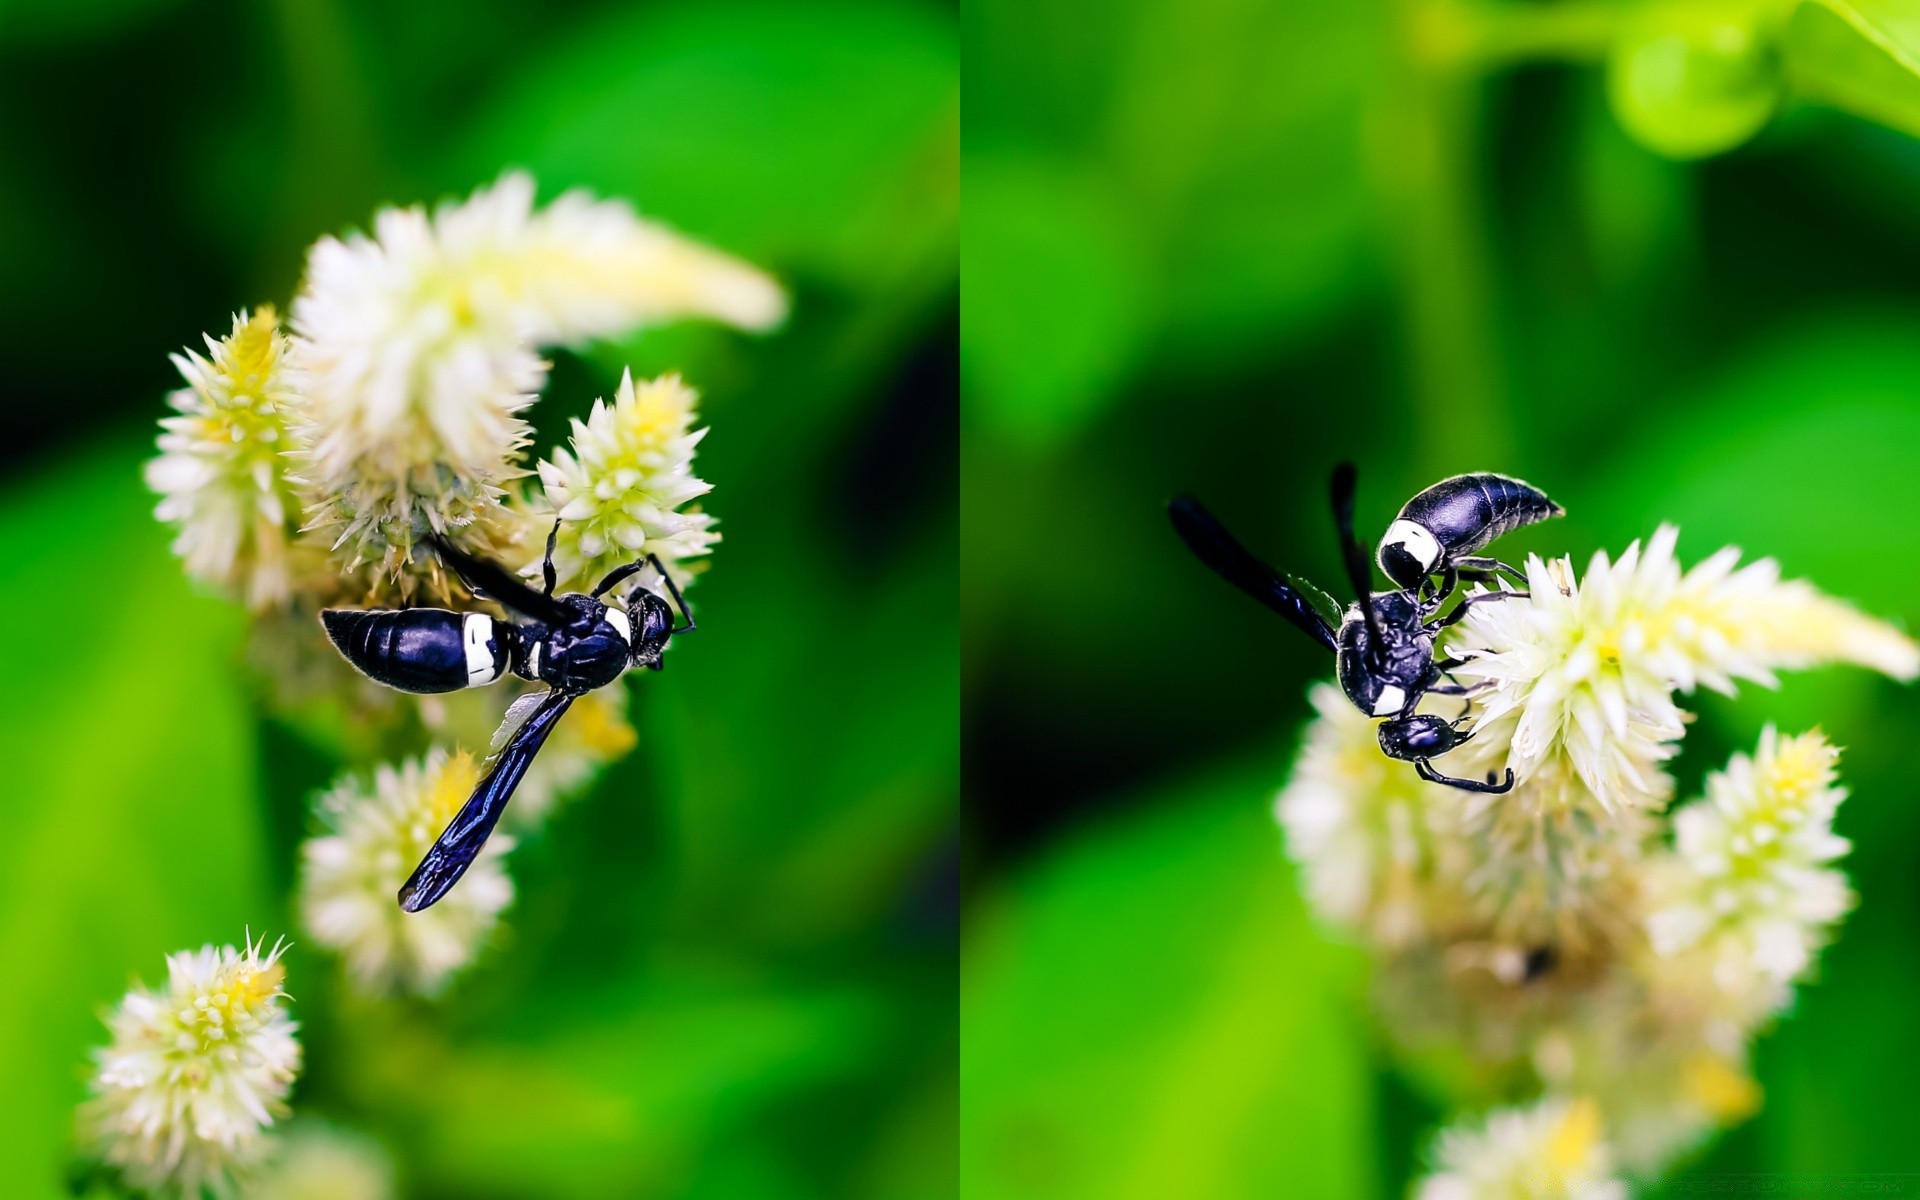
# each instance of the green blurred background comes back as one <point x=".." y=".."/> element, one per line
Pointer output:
<point x="731" y="968"/>
<point x="1219" y="245"/>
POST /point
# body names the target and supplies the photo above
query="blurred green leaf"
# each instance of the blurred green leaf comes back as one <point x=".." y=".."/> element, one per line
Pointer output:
<point x="132" y="828"/>
<point x="1695" y="77"/>
<point x="1151" y="1013"/>
<point x="1859" y="55"/>
<point x="819" y="138"/>
<point x="1055" y="303"/>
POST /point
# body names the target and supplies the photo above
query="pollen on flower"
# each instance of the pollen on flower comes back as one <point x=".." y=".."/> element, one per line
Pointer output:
<point x="376" y="833"/>
<point x="619" y="492"/>
<point x="222" y="468"/>
<point x="197" y="1071"/>
<point x="416" y="351"/>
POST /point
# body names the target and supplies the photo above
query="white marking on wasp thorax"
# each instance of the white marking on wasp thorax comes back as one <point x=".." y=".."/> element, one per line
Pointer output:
<point x="533" y="659"/>
<point x="1389" y="701"/>
<point x="619" y="621"/>
<point x="1416" y="540"/>
<point x="483" y="660"/>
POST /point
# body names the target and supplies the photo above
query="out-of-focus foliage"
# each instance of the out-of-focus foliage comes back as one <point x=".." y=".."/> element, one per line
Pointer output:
<point x="729" y="971"/>
<point x="1483" y="267"/>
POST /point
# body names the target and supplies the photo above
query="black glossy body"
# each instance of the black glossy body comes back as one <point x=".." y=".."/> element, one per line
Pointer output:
<point x="420" y="650"/>
<point x="1402" y="656"/>
<point x="1464" y="514"/>
<point x="573" y="643"/>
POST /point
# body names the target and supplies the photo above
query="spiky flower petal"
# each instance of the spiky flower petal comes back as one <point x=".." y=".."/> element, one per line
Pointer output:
<point x="375" y="837"/>
<point x="1583" y="675"/>
<point x="1551" y="1149"/>
<point x="416" y="348"/>
<point x="197" y="1071"/>
<point x="222" y="469"/>
<point x="619" y="490"/>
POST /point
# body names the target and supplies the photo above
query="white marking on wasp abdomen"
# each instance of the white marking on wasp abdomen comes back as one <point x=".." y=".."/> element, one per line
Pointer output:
<point x="483" y="661"/>
<point x="1389" y="701"/>
<point x="619" y="621"/>
<point x="1416" y="540"/>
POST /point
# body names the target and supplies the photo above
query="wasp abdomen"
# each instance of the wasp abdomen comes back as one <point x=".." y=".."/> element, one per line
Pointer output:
<point x="421" y="649"/>
<point x="1468" y="512"/>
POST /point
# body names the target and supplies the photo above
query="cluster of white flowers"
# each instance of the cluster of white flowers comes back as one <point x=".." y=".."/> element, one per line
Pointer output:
<point x="1557" y="929"/>
<point x="196" y="1072"/>
<point x="314" y="1160"/>
<point x="395" y="410"/>
<point x="376" y="835"/>
<point x="1583" y="675"/>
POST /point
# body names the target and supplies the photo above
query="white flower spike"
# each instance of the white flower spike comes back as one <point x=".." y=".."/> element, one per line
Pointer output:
<point x="1583" y="674"/>
<point x="197" y="1071"/>
<point x="222" y="469"/>
<point x="352" y="874"/>
<point x="619" y="491"/>
<point x="416" y="349"/>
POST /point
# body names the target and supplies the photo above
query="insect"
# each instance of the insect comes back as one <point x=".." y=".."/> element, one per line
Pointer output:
<point x="1437" y="532"/>
<point x="1384" y="642"/>
<point x="573" y="643"/>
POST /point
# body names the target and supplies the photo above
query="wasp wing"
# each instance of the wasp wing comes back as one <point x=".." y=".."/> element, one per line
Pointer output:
<point x="460" y="843"/>
<point x="497" y="583"/>
<point x="1323" y="604"/>
<point x="1214" y="546"/>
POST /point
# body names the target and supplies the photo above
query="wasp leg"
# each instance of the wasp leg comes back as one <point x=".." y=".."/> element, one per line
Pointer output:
<point x="1440" y="592"/>
<point x="1424" y="769"/>
<point x="546" y="564"/>
<point x="1460" y="610"/>
<point x="1482" y="569"/>
<point x="618" y="575"/>
<point x="673" y="591"/>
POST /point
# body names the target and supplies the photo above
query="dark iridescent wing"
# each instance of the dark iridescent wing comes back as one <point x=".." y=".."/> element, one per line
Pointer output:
<point x="467" y="832"/>
<point x="1214" y="546"/>
<point x="498" y="583"/>
<point x="1355" y="555"/>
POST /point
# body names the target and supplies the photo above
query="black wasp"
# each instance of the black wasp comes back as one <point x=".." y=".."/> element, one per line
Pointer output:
<point x="573" y="643"/>
<point x="1384" y="643"/>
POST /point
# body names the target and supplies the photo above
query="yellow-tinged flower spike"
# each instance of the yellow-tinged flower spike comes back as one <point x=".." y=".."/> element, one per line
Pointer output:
<point x="1747" y="882"/>
<point x="596" y="732"/>
<point x="1583" y="674"/>
<point x="196" y="1073"/>
<point x="1361" y="827"/>
<point x="416" y="348"/>
<point x="222" y="469"/>
<point x="619" y="491"/>
<point x="314" y="1160"/>
<point x="1552" y="1150"/>
<point x="375" y="837"/>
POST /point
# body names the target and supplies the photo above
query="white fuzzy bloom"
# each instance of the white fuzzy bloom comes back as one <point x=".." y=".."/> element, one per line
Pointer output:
<point x="1584" y="674"/>
<point x="417" y="348"/>
<point x="1549" y="1151"/>
<point x="1748" y="882"/>
<point x="222" y="469"/>
<point x="1358" y="823"/>
<point x="376" y="835"/>
<point x="197" y="1071"/>
<point x="314" y="1160"/>
<point x="619" y="490"/>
